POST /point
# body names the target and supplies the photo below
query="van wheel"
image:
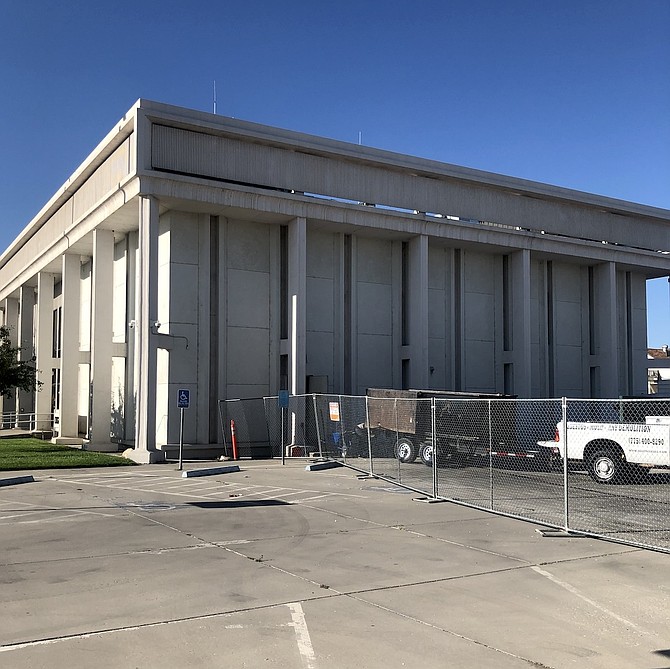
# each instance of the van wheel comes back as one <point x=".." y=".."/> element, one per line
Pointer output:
<point x="405" y="450"/>
<point x="605" y="466"/>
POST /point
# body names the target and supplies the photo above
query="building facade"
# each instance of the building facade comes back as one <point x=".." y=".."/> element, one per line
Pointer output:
<point x="234" y="260"/>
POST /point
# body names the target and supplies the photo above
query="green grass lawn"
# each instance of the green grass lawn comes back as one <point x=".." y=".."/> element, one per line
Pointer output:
<point x="27" y="453"/>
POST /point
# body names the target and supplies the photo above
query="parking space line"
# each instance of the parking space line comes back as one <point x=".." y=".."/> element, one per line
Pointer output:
<point x="586" y="599"/>
<point x="201" y="490"/>
<point x="303" y="638"/>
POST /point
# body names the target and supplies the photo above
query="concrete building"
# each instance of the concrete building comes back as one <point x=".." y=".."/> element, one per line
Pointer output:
<point x="195" y="251"/>
<point x="658" y="371"/>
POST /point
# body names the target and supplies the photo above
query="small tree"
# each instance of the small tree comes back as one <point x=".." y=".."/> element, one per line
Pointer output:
<point x="15" y="373"/>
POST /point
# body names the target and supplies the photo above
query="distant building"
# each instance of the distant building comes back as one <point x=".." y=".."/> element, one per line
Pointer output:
<point x="658" y="371"/>
<point x="233" y="259"/>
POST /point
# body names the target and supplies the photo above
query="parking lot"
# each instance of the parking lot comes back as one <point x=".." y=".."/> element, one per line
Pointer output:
<point x="277" y="566"/>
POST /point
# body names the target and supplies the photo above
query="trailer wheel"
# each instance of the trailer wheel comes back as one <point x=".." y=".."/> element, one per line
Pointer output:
<point x="426" y="455"/>
<point x="405" y="450"/>
<point x="605" y="466"/>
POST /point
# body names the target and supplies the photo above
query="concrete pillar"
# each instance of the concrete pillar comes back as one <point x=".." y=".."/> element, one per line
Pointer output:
<point x="68" y="431"/>
<point x="44" y="349"/>
<point x="297" y="290"/>
<point x="11" y="321"/>
<point x="417" y="305"/>
<point x="26" y="399"/>
<point x="146" y="315"/>
<point x="101" y="340"/>
<point x="521" y="325"/>
<point x="132" y="376"/>
<point x="607" y="322"/>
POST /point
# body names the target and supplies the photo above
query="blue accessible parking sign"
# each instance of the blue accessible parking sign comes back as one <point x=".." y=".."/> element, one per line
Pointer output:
<point x="183" y="398"/>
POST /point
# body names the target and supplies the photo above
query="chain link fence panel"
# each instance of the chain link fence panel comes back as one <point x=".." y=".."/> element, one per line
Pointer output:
<point x="617" y="476"/>
<point x="248" y="418"/>
<point x="502" y="455"/>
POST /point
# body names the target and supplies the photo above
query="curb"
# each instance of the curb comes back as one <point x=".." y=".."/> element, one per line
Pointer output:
<point x="211" y="471"/>
<point x="318" y="466"/>
<point x="17" y="479"/>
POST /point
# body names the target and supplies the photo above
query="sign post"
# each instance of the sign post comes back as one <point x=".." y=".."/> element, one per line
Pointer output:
<point x="183" y="402"/>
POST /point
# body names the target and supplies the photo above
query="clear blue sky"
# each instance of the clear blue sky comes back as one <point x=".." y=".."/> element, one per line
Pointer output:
<point x="574" y="93"/>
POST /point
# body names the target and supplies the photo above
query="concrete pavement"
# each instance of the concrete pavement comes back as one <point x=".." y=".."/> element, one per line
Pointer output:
<point x="277" y="566"/>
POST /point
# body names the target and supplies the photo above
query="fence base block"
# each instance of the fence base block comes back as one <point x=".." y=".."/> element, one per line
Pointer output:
<point x="211" y="471"/>
<point x="428" y="500"/>
<point x="318" y="466"/>
<point x="17" y="479"/>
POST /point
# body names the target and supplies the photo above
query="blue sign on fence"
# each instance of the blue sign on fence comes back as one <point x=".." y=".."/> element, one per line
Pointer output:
<point x="183" y="398"/>
<point x="283" y="399"/>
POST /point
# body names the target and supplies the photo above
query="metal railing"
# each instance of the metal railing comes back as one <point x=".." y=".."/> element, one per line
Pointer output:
<point x="28" y="422"/>
<point x="485" y="453"/>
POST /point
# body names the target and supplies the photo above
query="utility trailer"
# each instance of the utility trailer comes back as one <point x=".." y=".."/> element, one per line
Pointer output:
<point x="469" y="427"/>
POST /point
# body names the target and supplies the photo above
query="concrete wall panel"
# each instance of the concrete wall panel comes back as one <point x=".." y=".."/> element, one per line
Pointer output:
<point x="374" y="309"/>
<point x="480" y="367"/>
<point x="320" y="305"/>
<point x="248" y="357"/>
<point x="119" y="292"/>
<point x="375" y="359"/>
<point x="320" y="356"/>
<point x="184" y="290"/>
<point x="374" y="260"/>
<point x="248" y="246"/>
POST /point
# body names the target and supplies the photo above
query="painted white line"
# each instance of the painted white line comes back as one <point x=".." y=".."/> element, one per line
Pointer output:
<point x="288" y="494"/>
<point x="586" y="599"/>
<point x="305" y="647"/>
<point x="311" y="499"/>
<point x="44" y="520"/>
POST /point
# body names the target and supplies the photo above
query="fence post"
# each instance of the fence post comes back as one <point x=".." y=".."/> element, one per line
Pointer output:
<point x="566" y="506"/>
<point x="367" y="425"/>
<point x="340" y="424"/>
<point x="281" y="427"/>
<point x="316" y="423"/>
<point x="491" y="500"/>
<point x="223" y="428"/>
<point x="395" y="436"/>
<point x="433" y="424"/>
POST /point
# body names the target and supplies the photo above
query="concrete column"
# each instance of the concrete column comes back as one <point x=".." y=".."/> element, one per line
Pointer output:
<point x="297" y="290"/>
<point x="44" y="349"/>
<point x="26" y="399"/>
<point x="418" y="311"/>
<point x="11" y="321"/>
<point x="146" y="315"/>
<point x="132" y="375"/>
<point x="101" y="340"/>
<point x="521" y="326"/>
<point x="68" y="431"/>
<point x="606" y="324"/>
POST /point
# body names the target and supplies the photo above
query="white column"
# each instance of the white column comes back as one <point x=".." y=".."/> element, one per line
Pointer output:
<point x="297" y="289"/>
<point x="11" y="309"/>
<point x="132" y="375"/>
<point x="146" y="315"/>
<point x="418" y="311"/>
<point x="521" y="326"/>
<point x="101" y="339"/>
<point x="607" y="326"/>
<point x="68" y="431"/>
<point x="44" y="348"/>
<point x="26" y="399"/>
